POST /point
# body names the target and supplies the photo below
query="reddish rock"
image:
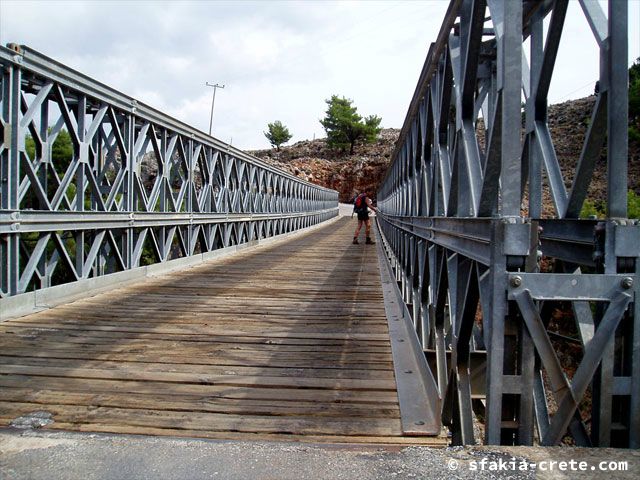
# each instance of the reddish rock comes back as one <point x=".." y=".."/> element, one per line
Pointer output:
<point x="314" y="161"/>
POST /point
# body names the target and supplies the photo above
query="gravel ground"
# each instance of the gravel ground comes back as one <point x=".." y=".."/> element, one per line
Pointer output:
<point x="35" y="454"/>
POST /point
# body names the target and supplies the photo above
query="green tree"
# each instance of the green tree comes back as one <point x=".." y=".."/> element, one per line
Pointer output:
<point x="345" y="127"/>
<point x="61" y="156"/>
<point x="277" y="134"/>
<point x="598" y="209"/>
<point x="61" y="150"/>
<point x="633" y="204"/>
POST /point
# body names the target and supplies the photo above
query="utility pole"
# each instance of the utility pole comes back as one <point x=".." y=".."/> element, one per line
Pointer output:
<point x="213" y="101"/>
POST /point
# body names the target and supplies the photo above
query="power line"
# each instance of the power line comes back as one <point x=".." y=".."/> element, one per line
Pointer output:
<point x="567" y="95"/>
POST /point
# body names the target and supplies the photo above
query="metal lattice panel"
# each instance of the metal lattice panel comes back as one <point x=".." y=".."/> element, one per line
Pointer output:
<point x="139" y="187"/>
<point x="462" y="218"/>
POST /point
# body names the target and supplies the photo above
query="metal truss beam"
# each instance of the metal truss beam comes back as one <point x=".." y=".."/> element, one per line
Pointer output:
<point x="137" y="186"/>
<point x="481" y="269"/>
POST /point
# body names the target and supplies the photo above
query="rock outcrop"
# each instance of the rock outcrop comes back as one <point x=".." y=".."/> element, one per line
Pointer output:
<point x="314" y="161"/>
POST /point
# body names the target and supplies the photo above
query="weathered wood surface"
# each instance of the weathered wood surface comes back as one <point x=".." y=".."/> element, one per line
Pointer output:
<point x="285" y="342"/>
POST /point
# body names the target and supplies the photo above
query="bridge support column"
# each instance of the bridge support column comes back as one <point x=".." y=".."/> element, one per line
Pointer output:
<point x="12" y="149"/>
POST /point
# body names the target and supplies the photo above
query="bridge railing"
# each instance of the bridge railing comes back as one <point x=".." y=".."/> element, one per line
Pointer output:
<point x="530" y="322"/>
<point x="94" y="182"/>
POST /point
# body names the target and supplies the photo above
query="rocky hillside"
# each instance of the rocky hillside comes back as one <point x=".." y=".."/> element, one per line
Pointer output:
<point x="568" y="123"/>
<point x="314" y="161"/>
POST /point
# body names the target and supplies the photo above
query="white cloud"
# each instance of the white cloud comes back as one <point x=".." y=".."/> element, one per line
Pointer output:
<point x="251" y="48"/>
<point x="279" y="60"/>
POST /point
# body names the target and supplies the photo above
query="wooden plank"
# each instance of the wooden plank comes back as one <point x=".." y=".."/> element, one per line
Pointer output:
<point x="296" y="425"/>
<point x="254" y="341"/>
<point x="184" y="327"/>
<point x="334" y="368"/>
<point x="199" y="390"/>
<point x="239" y="313"/>
<point x="185" y="403"/>
<point x="128" y="372"/>
<point x="280" y="333"/>
<point x="203" y="331"/>
<point x="204" y="349"/>
<point x="197" y="369"/>
<point x="194" y="345"/>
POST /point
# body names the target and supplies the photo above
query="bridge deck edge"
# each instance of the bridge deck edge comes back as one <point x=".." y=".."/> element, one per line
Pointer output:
<point x="418" y="395"/>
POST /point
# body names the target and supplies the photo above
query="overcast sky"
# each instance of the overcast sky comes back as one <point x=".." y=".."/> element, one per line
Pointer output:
<point x="278" y="60"/>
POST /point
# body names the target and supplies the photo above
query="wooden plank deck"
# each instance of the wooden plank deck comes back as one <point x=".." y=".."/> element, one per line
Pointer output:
<point x="283" y="342"/>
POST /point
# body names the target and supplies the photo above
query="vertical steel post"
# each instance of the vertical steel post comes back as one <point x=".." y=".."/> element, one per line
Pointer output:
<point x="634" y="404"/>
<point x="5" y="170"/>
<point x="129" y="162"/>
<point x="11" y="175"/>
<point x="509" y="85"/>
<point x="618" y="111"/>
<point x="534" y="161"/>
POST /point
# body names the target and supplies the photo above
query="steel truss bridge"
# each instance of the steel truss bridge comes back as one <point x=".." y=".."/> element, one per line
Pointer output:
<point x="476" y="266"/>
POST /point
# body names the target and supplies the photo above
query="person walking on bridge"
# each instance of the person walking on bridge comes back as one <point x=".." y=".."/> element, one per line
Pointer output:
<point x="361" y="206"/>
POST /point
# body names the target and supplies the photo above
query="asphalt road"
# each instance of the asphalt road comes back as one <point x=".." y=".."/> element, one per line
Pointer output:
<point x="36" y="454"/>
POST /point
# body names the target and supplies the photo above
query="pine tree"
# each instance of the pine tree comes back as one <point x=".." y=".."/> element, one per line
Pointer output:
<point x="277" y="134"/>
<point x="345" y="127"/>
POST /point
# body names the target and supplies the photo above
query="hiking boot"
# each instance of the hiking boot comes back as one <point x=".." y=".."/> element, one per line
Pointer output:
<point x="369" y="241"/>
<point x="355" y="240"/>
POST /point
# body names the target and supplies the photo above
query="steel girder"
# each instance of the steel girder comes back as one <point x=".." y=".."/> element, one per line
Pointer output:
<point x="139" y="186"/>
<point x="480" y="267"/>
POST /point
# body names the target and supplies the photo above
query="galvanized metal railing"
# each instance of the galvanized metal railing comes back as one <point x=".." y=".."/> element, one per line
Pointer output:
<point x="481" y="270"/>
<point x="135" y="186"/>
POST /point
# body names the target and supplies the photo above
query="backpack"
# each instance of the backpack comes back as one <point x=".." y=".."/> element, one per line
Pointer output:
<point x="360" y="204"/>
